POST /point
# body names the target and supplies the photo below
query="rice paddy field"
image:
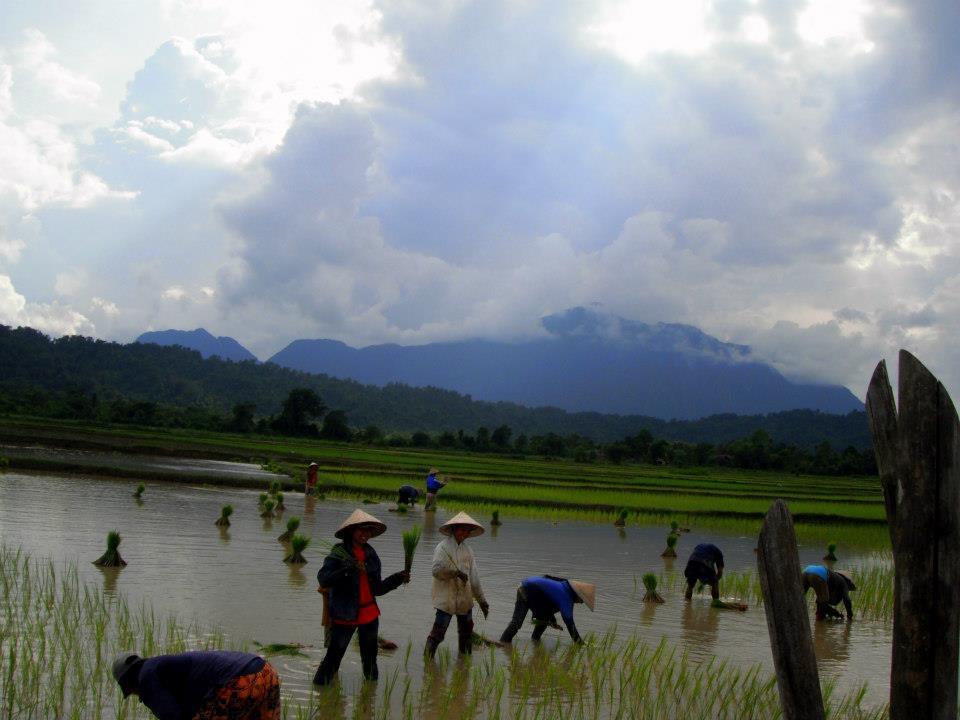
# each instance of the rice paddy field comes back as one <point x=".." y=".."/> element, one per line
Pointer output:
<point x="190" y="584"/>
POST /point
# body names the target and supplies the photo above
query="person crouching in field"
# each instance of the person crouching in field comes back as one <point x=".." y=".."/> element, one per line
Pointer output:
<point x="705" y="565"/>
<point x="202" y="685"/>
<point x="456" y="583"/>
<point x="831" y="587"/>
<point x="351" y="577"/>
<point x="544" y="597"/>
<point x="407" y="495"/>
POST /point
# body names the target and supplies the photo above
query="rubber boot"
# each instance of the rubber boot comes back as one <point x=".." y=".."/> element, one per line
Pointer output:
<point x="465" y="637"/>
<point x="434" y="638"/>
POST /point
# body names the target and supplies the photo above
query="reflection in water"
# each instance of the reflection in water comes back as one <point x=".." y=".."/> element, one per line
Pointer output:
<point x="621" y="533"/>
<point x="429" y="525"/>
<point x="494" y="529"/>
<point x="330" y="702"/>
<point x="267" y="524"/>
<point x="439" y="696"/>
<point x="296" y="578"/>
<point x="648" y="613"/>
<point x="224" y="535"/>
<point x="668" y="563"/>
<point x="831" y="642"/>
<point x="138" y="501"/>
<point x="700" y="625"/>
<point x="309" y="504"/>
<point x="110" y="575"/>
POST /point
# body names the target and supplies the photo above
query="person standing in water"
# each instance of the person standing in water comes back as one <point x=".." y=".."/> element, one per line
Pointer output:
<point x="434" y="486"/>
<point x="456" y="584"/>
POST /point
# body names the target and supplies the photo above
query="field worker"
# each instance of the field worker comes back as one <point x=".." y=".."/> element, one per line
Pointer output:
<point x="434" y="485"/>
<point x="351" y="577"/>
<point x="456" y="583"/>
<point x="705" y="565"/>
<point x="202" y="685"/>
<point x="311" y="484"/>
<point x="407" y="495"/>
<point x="544" y="597"/>
<point x="830" y="586"/>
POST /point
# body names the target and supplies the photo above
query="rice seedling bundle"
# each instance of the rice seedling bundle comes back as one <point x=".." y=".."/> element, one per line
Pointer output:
<point x="274" y="487"/>
<point x="139" y="491"/>
<point x="280" y="507"/>
<point x="298" y="543"/>
<point x="224" y="520"/>
<point x="292" y="525"/>
<point x="495" y="519"/>
<point x="111" y="558"/>
<point x="621" y="517"/>
<point x="650" y="585"/>
<point x="831" y="555"/>
<point x="267" y="509"/>
<point x="411" y="538"/>
<point x="262" y="500"/>
<point x="671" y="550"/>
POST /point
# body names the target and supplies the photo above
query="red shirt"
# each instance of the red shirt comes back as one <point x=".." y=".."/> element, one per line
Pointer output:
<point x="368" y="610"/>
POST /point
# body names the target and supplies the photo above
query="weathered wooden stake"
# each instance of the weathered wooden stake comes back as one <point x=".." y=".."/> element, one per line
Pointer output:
<point x="787" y="621"/>
<point x="918" y="451"/>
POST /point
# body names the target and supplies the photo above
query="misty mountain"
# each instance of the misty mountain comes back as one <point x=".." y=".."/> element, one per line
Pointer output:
<point x="200" y="340"/>
<point x="586" y="362"/>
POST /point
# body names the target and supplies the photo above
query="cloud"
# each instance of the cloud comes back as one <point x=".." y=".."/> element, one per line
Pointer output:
<point x="52" y="318"/>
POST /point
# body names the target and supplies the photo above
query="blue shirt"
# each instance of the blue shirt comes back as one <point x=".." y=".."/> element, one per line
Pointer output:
<point x="433" y="485"/>
<point x="549" y="596"/>
<point x="175" y="687"/>
<point x="818" y="570"/>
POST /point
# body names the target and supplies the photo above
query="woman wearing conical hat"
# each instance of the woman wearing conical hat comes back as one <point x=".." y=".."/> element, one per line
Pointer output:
<point x="544" y="596"/>
<point x="351" y="577"/>
<point x="456" y="583"/>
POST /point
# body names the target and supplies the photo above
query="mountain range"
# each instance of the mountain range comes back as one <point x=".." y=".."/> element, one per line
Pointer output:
<point x="200" y="340"/>
<point x="585" y="361"/>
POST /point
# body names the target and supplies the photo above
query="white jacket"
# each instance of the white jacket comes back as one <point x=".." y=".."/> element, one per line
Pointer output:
<point x="450" y="594"/>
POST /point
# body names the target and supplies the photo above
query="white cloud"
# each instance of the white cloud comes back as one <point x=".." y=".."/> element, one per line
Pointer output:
<point x="37" y="58"/>
<point x="53" y="318"/>
<point x="71" y="282"/>
<point x="106" y="307"/>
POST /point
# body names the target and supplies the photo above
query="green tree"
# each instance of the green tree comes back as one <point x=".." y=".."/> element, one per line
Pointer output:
<point x="242" y="420"/>
<point x="501" y="436"/>
<point x="301" y="407"/>
<point x="335" y="426"/>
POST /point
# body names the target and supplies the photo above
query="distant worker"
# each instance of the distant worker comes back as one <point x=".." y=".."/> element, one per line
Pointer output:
<point x="407" y="495"/>
<point x="831" y="587"/>
<point x="544" y="596"/>
<point x="202" y="685"/>
<point x="705" y="565"/>
<point x="434" y="485"/>
<point x="311" y="485"/>
<point x="456" y="584"/>
<point x="352" y="580"/>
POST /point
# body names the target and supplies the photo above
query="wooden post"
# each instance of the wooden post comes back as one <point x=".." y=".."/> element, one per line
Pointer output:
<point x="787" y="620"/>
<point x="918" y="450"/>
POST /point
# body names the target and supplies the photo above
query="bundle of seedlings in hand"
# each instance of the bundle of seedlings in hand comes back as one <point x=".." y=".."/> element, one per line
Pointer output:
<point x="831" y="552"/>
<point x="292" y="525"/>
<point x="267" y="509"/>
<point x="411" y="538"/>
<point x="298" y="543"/>
<point x="650" y="583"/>
<point x="621" y="517"/>
<point x="224" y="520"/>
<point x="495" y="520"/>
<point x="280" y="507"/>
<point x="671" y="551"/>
<point x="139" y="491"/>
<point x="111" y="558"/>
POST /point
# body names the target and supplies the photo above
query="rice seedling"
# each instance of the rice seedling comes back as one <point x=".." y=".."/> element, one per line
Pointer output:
<point x="674" y="527"/>
<point x="111" y="558"/>
<point x="671" y="549"/>
<point x="621" y="517"/>
<point x="274" y="488"/>
<point x="224" y="520"/>
<point x="267" y="510"/>
<point x="138" y="493"/>
<point x="411" y="538"/>
<point x="831" y="555"/>
<point x="293" y="525"/>
<point x="298" y="543"/>
<point x="262" y="500"/>
<point x="369" y="501"/>
<point x="650" y="585"/>
<point x="402" y="509"/>
<point x="288" y="649"/>
<point x="495" y="518"/>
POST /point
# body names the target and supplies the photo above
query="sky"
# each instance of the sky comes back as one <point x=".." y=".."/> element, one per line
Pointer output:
<point x="783" y="174"/>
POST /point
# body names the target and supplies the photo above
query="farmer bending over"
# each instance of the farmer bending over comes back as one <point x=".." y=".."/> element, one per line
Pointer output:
<point x="351" y="576"/>
<point x="456" y="583"/>
<point x="830" y="587"/>
<point x="544" y="597"/>
<point x="705" y="565"/>
<point x="434" y="485"/>
<point x="203" y="685"/>
<point x="407" y="495"/>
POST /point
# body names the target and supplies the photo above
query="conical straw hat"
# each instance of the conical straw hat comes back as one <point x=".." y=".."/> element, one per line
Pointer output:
<point x="585" y="591"/>
<point x="461" y="519"/>
<point x="359" y="517"/>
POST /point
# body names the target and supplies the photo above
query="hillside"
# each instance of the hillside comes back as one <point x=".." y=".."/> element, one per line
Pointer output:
<point x="177" y="376"/>
<point x="200" y="340"/>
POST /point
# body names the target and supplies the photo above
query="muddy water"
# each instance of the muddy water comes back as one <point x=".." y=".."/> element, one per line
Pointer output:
<point x="236" y="579"/>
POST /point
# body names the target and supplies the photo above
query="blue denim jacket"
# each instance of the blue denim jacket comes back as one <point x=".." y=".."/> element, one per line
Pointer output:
<point x="341" y="577"/>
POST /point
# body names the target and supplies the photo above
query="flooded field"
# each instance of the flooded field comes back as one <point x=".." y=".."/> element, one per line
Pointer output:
<point x="236" y="580"/>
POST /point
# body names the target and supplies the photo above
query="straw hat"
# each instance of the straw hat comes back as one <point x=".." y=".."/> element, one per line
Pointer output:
<point x="359" y="517"/>
<point x="846" y="576"/>
<point x="461" y="519"/>
<point x="585" y="591"/>
<point x="313" y="465"/>
<point x="433" y="471"/>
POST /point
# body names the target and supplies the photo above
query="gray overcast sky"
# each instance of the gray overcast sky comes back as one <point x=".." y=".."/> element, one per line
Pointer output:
<point x="782" y="174"/>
